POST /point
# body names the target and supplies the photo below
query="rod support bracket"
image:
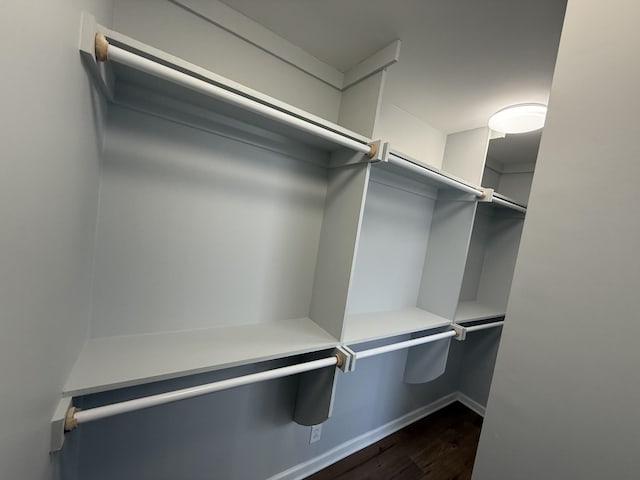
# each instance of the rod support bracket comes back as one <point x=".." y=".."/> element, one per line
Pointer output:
<point x="101" y="47"/>
<point x="376" y="151"/>
<point x="461" y="332"/>
<point x="487" y="195"/>
<point x="346" y="358"/>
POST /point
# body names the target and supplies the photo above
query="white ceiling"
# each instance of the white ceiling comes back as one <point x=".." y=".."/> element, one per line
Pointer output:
<point x="461" y="60"/>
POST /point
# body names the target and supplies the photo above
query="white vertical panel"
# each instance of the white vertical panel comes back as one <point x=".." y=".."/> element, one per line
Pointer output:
<point x="360" y="104"/>
<point x="566" y="389"/>
<point x="409" y="134"/>
<point x="445" y="260"/>
<point x="500" y="257"/>
<point x="465" y="154"/>
<point x="338" y="241"/>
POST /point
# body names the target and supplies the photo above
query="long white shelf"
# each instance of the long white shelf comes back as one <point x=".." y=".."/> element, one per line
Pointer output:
<point x="503" y="201"/>
<point x="160" y="75"/>
<point x="114" y="362"/>
<point x="405" y="165"/>
<point x="471" y="311"/>
<point x="364" y="327"/>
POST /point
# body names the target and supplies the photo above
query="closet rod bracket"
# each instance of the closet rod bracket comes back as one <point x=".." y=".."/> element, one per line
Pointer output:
<point x="487" y="195"/>
<point x="461" y="332"/>
<point x="346" y="358"/>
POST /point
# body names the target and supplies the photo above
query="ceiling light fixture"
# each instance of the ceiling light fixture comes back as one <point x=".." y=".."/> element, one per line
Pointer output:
<point x="525" y="117"/>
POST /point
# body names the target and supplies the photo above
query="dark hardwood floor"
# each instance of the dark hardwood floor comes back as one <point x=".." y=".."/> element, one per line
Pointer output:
<point x="441" y="446"/>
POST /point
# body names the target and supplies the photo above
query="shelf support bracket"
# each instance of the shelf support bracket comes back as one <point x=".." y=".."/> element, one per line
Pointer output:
<point x="346" y="358"/>
<point x="461" y="332"/>
<point x="487" y="197"/>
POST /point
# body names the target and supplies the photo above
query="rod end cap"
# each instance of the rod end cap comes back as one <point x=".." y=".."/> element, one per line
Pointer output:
<point x="101" y="47"/>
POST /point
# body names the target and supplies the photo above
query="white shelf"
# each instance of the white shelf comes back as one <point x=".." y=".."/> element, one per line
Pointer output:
<point x="471" y="311"/>
<point x="113" y="362"/>
<point x="138" y="88"/>
<point x="404" y="165"/>
<point x="364" y="327"/>
<point x="502" y="201"/>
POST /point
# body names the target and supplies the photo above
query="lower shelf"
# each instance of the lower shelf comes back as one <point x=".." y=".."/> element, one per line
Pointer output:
<point x="114" y="362"/>
<point x="471" y="311"/>
<point x="364" y="327"/>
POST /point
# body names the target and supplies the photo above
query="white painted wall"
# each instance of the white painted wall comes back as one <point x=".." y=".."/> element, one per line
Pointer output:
<point x="409" y="134"/>
<point x="171" y="28"/>
<point x="566" y="390"/>
<point x="48" y="196"/>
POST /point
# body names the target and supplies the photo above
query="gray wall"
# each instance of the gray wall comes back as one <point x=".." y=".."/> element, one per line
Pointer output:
<point x="48" y="196"/>
<point x="171" y="28"/>
<point x="566" y="390"/>
<point x="246" y="433"/>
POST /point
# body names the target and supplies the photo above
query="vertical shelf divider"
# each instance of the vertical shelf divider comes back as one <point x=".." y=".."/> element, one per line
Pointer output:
<point x="447" y="250"/>
<point x="347" y="189"/>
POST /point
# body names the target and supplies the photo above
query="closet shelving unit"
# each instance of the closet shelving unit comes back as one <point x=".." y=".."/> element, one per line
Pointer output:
<point x="491" y="259"/>
<point x="341" y="241"/>
<point x="407" y="216"/>
<point x="311" y="169"/>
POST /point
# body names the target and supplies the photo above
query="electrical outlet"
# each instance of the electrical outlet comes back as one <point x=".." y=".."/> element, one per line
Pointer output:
<point x="316" y="433"/>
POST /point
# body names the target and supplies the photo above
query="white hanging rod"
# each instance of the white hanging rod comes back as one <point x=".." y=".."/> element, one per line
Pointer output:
<point x="506" y="203"/>
<point x="105" y="51"/>
<point x="485" y="326"/>
<point x="77" y="416"/>
<point x="439" y="177"/>
<point x="406" y="344"/>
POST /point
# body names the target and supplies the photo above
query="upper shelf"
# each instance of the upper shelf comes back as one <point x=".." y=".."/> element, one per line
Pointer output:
<point x="503" y="201"/>
<point x="402" y="164"/>
<point x="132" y="73"/>
<point x="108" y="363"/>
<point x="364" y="327"/>
<point x="471" y="311"/>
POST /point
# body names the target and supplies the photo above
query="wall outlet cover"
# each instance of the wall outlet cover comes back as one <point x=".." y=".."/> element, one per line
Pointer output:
<point x="316" y="433"/>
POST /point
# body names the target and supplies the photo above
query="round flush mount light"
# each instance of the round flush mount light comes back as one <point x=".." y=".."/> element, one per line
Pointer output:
<point x="525" y="117"/>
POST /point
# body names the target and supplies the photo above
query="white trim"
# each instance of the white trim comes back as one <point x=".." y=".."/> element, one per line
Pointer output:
<point x="303" y="470"/>
<point x="378" y="61"/>
<point x="470" y="403"/>
<point x="252" y="32"/>
<point x="521" y="167"/>
<point x="502" y="168"/>
<point x="261" y="37"/>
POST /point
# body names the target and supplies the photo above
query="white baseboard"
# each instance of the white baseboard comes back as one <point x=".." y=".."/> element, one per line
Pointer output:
<point x="303" y="470"/>
<point x="470" y="403"/>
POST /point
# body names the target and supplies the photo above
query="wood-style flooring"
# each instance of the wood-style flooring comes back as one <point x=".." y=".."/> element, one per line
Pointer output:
<point x="441" y="446"/>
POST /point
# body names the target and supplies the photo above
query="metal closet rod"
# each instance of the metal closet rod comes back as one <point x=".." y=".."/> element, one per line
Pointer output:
<point x="76" y="416"/>
<point x="426" y="172"/>
<point x="105" y="51"/>
<point x="508" y="204"/>
<point x="406" y="344"/>
<point x="485" y="326"/>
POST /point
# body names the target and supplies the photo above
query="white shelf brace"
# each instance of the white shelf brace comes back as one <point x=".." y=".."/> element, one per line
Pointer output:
<point x="68" y="417"/>
<point x="106" y="52"/>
